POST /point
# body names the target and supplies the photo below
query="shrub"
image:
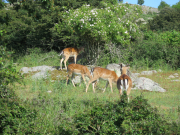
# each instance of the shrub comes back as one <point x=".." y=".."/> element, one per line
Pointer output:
<point x="167" y="20"/>
<point x="157" y="47"/>
<point x="137" y="117"/>
<point x="94" y="27"/>
<point x="8" y="73"/>
<point x="14" y="117"/>
<point x="176" y="6"/>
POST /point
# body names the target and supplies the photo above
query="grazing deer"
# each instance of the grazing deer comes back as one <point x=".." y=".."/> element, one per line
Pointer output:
<point x="69" y="52"/>
<point x="78" y="69"/>
<point x="124" y="81"/>
<point x="102" y="73"/>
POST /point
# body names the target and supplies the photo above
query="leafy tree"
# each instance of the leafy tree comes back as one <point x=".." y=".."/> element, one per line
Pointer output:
<point x="176" y="6"/>
<point x="120" y="1"/>
<point x="168" y="19"/>
<point x="162" y="5"/>
<point x="140" y="2"/>
<point x="2" y="4"/>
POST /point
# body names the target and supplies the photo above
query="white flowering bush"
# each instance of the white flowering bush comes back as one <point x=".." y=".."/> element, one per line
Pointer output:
<point x="104" y="24"/>
<point x="99" y="26"/>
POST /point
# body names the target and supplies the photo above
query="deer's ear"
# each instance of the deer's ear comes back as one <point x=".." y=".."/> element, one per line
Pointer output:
<point x="120" y="65"/>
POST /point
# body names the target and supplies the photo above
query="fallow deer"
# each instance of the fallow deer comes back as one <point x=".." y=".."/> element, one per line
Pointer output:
<point x="124" y="81"/>
<point x="69" y="52"/>
<point x="104" y="74"/>
<point x="78" y="69"/>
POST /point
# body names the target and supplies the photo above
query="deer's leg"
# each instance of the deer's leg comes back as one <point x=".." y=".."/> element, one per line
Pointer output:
<point x="67" y="79"/>
<point x="120" y="90"/>
<point x="90" y="81"/>
<point x="110" y="83"/>
<point x="61" y="63"/>
<point x="106" y="86"/>
<point x="75" y="58"/>
<point x="83" y="79"/>
<point x="94" y="85"/>
<point x="65" y="62"/>
<point x="128" y="92"/>
<point x="72" y="80"/>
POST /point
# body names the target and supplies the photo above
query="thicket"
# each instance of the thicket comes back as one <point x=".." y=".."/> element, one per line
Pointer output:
<point x="157" y="49"/>
<point x="137" y="117"/>
<point x="176" y="6"/>
<point x="31" y="24"/>
<point x="167" y="20"/>
<point x="41" y="24"/>
<point x="15" y="118"/>
<point x="160" y="45"/>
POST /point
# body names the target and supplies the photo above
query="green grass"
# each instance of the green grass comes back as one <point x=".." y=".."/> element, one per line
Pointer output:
<point x="66" y="101"/>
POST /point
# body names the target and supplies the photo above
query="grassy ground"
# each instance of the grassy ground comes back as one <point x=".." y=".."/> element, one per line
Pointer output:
<point x="76" y="100"/>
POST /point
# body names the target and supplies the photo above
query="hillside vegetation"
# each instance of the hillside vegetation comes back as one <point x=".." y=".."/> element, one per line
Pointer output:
<point x="32" y="33"/>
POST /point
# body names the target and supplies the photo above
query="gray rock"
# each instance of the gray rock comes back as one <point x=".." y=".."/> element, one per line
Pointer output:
<point x="40" y="75"/>
<point x="136" y="74"/>
<point x="36" y="69"/>
<point x="147" y="84"/>
<point x="148" y="72"/>
<point x="171" y="76"/>
<point x="24" y="70"/>
<point x="175" y="74"/>
<point x="116" y="68"/>
<point x="175" y="80"/>
<point x="77" y="79"/>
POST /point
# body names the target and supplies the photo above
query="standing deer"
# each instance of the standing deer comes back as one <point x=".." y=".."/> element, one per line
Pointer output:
<point x="78" y="69"/>
<point x="104" y="74"/>
<point x="69" y="52"/>
<point x="124" y="81"/>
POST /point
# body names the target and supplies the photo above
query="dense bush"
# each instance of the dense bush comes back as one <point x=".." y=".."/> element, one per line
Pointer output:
<point x="14" y="117"/>
<point x="156" y="49"/>
<point x="2" y="4"/>
<point x="94" y="28"/>
<point x="31" y="24"/>
<point x="176" y="6"/>
<point x="168" y="19"/>
<point x="8" y="73"/>
<point x="137" y="117"/>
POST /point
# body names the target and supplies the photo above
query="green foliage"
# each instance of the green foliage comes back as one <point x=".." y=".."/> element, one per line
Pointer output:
<point x="140" y="2"/>
<point x="168" y="19"/>
<point x="29" y="27"/>
<point x="137" y="117"/>
<point x="8" y="73"/>
<point x="96" y="27"/>
<point x="100" y="24"/>
<point x="15" y="118"/>
<point x="176" y="6"/>
<point x="2" y="4"/>
<point x="162" y="5"/>
<point x="156" y="47"/>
